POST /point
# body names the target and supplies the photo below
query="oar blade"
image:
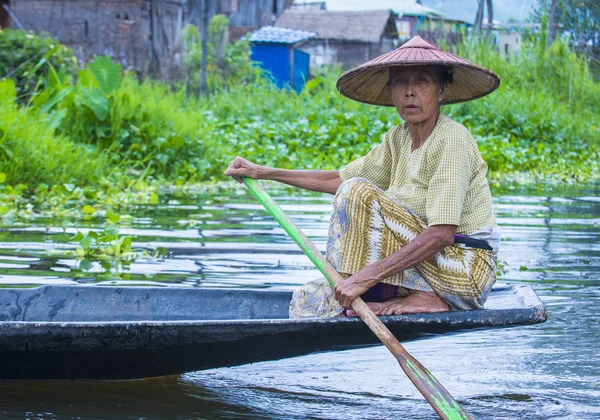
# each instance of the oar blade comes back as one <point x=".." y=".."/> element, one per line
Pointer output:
<point x="434" y="392"/>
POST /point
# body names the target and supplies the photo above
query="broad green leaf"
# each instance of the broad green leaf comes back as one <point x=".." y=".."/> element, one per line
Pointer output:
<point x="45" y="58"/>
<point x="55" y="118"/>
<point x="311" y="84"/>
<point x="125" y="244"/>
<point x="86" y="242"/>
<point x="2" y="177"/>
<point x="87" y="79"/>
<point x="94" y="100"/>
<point x="175" y="142"/>
<point x="8" y="92"/>
<point x="107" y="73"/>
<point x="41" y="98"/>
<point x="88" y="209"/>
<point x="53" y="79"/>
<point x="47" y="103"/>
<point x="78" y="237"/>
<point x="113" y="217"/>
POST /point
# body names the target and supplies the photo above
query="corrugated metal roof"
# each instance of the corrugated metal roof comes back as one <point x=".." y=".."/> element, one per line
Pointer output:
<point x="279" y="35"/>
<point x="367" y="26"/>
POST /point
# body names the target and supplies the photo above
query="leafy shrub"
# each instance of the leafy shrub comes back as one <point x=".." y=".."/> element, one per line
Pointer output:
<point x="117" y="117"/>
<point x="30" y="152"/>
<point x="23" y="56"/>
<point x="557" y="71"/>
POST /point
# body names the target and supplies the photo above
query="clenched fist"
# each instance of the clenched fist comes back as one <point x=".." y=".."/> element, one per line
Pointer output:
<point x="240" y="167"/>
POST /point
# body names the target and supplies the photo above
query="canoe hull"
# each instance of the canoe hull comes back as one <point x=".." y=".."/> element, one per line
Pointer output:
<point x="61" y="347"/>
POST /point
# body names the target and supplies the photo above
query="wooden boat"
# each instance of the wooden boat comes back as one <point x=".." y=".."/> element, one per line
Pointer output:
<point x="95" y="332"/>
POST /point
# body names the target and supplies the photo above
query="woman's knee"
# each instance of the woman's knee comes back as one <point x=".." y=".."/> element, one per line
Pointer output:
<point x="352" y="182"/>
<point x="355" y="189"/>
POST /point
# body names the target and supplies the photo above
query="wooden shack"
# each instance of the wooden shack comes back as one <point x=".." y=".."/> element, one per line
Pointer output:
<point x="277" y="50"/>
<point x="348" y="38"/>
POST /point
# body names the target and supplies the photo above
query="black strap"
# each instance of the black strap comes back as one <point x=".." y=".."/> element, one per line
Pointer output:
<point x="473" y="243"/>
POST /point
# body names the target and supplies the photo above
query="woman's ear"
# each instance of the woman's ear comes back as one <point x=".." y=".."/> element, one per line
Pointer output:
<point x="442" y="94"/>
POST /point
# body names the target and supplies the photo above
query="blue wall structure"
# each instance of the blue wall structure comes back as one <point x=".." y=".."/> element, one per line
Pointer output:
<point x="273" y="48"/>
<point x="300" y="69"/>
<point x="274" y="58"/>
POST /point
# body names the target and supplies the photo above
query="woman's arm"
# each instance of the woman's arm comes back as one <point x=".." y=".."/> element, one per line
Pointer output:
<point x="429" y="242"/>
<point x="312" y="180"/>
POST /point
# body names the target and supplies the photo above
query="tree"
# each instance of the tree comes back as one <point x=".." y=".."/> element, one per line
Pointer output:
<point x="481" y="4"/>
<point x="578" y="18"/>
<point x="552" y="26"/>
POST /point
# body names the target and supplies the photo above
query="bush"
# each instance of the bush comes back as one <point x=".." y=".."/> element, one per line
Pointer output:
<point x="139" y="128"/>
<point x="23" y="58"/>
<point x="30" y="152"/>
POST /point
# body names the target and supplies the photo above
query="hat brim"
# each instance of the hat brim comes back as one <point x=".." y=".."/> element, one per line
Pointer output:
<point x="368" y="83"/>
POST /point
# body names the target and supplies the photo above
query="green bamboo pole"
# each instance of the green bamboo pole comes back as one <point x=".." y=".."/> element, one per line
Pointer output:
<point x="434" y="392"/>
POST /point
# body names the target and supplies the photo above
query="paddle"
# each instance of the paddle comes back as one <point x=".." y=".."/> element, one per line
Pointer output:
<point x="440" y="399"/>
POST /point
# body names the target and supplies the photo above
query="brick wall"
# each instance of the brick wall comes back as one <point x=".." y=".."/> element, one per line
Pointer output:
<point x="118" y="28"/>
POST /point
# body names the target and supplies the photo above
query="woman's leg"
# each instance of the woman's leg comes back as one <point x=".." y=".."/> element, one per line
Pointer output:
<point x="367" y="225"/>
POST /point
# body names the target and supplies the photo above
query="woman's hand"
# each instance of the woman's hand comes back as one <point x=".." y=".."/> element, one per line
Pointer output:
<point x="354" y="286"/>
<point x="240" y="167"/>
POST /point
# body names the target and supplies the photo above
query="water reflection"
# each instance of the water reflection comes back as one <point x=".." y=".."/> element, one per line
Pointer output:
<point x="537" y="372"/>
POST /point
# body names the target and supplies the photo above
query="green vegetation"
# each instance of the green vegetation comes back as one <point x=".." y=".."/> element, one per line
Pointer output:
<point x="101" y="135"/>
<point x="228" y="64"/>
<point x="23" y="58"/>
<point x="543" y="122"/>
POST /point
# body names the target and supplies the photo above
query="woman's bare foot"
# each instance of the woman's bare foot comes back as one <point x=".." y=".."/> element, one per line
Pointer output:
<point x="416" y="302"/>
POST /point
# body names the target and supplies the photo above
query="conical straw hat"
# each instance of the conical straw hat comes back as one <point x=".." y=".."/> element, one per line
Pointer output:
<point x="368" y="82"/>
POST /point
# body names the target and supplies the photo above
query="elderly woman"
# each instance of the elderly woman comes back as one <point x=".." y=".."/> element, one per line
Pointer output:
<point x="412" y="227"/>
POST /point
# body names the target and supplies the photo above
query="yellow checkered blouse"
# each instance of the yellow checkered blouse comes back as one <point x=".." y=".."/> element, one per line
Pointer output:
<point x="442" y="182"/>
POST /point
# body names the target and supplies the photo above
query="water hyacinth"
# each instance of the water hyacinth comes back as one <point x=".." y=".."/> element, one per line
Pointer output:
<point x="104" y="124"/>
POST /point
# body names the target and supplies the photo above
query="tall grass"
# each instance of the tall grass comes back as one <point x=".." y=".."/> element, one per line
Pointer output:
<point x="31" y="153"/>
<point x="545" y="117"/>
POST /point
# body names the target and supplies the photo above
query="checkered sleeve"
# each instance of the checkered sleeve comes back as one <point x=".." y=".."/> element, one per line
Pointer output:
<point x="375" y="166"/>
<point x="450" y="163"/>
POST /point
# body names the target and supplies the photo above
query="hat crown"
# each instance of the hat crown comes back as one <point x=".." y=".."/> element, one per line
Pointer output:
<point x="418" y="42"/>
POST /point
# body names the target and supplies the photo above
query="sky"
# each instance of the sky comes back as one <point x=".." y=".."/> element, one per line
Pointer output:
<point x="457" y="9"/>
<point x="466" y="9"/>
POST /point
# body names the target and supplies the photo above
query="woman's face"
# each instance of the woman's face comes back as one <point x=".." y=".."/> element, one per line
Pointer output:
<point x="416" y="93"/>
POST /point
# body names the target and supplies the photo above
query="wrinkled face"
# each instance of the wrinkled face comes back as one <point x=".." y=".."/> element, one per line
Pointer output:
<point x="416" y="93"/>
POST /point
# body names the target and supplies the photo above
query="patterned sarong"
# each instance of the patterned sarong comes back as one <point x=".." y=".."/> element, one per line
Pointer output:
<point x="367" y="225"/>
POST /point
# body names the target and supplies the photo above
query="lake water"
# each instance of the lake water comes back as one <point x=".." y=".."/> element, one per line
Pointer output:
<point x="551" y="240"/>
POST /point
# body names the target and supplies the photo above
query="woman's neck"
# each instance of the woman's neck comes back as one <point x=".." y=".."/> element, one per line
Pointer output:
<point x="420" y="132"/>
